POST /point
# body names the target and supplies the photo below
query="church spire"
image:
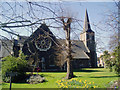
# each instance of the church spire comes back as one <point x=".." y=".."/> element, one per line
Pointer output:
<point x="86" y="23"/>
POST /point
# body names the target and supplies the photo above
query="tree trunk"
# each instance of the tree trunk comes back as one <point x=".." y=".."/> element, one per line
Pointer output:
<point x="69" y="69"/>
<point x="69" y="56"/>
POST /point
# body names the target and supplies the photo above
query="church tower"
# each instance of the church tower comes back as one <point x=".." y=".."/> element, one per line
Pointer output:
<point x="88" y="37"/>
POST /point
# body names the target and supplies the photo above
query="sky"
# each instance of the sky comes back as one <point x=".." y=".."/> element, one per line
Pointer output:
<point x="98" y="13"/>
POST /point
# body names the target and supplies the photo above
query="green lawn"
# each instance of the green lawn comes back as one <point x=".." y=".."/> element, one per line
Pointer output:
<point x="100" y="76"/>
<point x="0" y="80"/>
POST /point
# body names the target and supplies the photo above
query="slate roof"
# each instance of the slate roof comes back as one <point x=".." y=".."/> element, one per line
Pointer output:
<point x="79" y="50"/>
<point x="43" y="29"/>
<point x="6" y="48"/>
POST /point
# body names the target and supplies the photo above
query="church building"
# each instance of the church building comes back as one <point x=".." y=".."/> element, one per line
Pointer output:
<point x="44" y="50"/>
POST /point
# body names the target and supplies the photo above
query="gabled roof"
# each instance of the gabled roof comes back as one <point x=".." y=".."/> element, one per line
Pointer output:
<point x="42" y="30"/>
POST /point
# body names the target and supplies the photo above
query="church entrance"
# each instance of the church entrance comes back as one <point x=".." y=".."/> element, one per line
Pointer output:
<point x="40" y="65"/>
<point x="43" y="67"/>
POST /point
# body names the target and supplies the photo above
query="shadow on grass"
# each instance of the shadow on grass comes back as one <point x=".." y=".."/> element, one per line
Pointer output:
<point x="104" y="77"/>
<point x="32" y="84"/>
<point x="4" y="84"/>
<point x="44" y="75"/>
<point x="76" y="76"/>
<point x="83" y="70"/>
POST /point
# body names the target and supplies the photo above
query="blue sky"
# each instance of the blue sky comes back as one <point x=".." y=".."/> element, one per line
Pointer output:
<point x="97" y="12"/>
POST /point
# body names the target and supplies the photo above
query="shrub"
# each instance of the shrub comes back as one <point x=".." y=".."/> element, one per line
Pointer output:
<point x="75" y="83"/>
<point x="113" y="84"/>
<point x="34" y="79"/>
<point x="116" y="63"/>
<point x="14" y="64"/>
<point x="109" y="64"/>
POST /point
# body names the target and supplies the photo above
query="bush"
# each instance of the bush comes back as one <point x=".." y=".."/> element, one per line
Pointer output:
<point x="116" y="63"/>
<point x="34" y="79"/>
<point x="113" y="84"/>
<point x="117" y="68"/>
<point x="14" y="64"/>
<point x="109" y="64"/>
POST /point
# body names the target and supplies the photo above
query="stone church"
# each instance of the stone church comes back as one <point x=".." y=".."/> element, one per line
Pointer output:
<point x="47" y="52"/>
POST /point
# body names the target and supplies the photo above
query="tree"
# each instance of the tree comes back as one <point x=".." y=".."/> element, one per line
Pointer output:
<point x="107" y="59"/>
<point x="114" y="24"/>
<point x="114" y="42"/>
<point x="112" y="60"/>
<point x="33" y="14"/>
<point x="116" y="63"/>
<point x="68" y="47"/>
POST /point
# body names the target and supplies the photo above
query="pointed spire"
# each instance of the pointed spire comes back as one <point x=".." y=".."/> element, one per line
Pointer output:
<point x="86" y="22"/>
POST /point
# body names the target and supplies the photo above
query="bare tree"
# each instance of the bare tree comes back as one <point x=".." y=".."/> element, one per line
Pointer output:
<point x="13" y="19"/>
<point x="114" y="24"/>
<point x="67" y="29"/>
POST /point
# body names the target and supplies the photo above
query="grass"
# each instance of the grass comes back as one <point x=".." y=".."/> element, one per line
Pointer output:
<point x="100" y="76"/>
<point x="0" y="77"/>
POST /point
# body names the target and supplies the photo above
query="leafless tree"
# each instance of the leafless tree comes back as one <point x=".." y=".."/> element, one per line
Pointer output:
<point x="29" y="15"/>
<point x="113" y="22"/>
<point x="68" y="47"/>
